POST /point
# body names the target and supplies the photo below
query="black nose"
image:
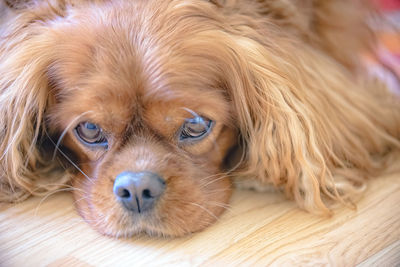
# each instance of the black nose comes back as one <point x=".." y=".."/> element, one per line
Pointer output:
<point x="138" y="191"/>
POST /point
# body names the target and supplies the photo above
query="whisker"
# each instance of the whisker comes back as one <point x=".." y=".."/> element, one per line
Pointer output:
<point x="50" y="194"/>
<point x="194" y="114"/>
<point x="222" y="205"/>
<point x="80" y="199"/>
<point x="65" y="131"/>
<point x="58" y="185"/>
<point x="214" y="181"/>
<point x="219" y="190"/>
<point x="69" y="160"/>
<point x="203" y="208"/>
<point x="214" y="175"/>
<point x="76" y="166"/>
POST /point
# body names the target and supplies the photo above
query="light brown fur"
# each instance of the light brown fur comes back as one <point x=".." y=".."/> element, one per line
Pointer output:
<point x="281" y="79"/>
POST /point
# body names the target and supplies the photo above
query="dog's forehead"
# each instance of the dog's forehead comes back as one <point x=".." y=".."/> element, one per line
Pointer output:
<point x="118" y="71"/>
<point x="117" y="94"/>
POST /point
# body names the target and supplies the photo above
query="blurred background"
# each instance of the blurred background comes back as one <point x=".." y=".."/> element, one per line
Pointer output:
<point x="386" y="63"/>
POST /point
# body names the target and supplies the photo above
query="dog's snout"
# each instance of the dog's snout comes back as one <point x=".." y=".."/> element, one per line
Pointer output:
<point x="138" y="191"/>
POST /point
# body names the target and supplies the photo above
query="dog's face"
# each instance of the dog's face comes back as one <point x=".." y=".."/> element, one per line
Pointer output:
<point x="157" y="99"/>
<point x="148" y="119"/>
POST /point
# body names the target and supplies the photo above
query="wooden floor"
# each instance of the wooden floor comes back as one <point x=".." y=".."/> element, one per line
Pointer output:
<point x="260" y="229"/>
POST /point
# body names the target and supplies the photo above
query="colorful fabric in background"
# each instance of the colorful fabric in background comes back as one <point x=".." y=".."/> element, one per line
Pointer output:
<point x="386" y="63"/>
<point x="388" y="5"/>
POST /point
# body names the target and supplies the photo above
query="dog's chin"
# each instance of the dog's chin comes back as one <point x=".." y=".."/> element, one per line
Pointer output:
<point x="177" y="213"/>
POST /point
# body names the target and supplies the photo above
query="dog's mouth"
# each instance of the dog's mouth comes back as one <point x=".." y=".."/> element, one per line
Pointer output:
<point x="144" y="202"/>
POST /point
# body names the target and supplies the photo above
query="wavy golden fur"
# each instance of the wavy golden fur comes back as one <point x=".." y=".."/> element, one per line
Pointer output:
<point x="283" y="81"/>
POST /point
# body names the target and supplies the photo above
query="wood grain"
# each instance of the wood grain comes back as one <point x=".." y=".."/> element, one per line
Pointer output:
<point x="259" y="229"/>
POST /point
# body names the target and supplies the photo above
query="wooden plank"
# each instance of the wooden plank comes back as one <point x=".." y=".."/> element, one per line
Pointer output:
<point x="389" y="256"/>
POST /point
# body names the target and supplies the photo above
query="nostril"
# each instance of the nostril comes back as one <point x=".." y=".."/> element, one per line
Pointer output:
<point x="122" y="192"/>
<point x="138" y="191"/>
<point x="125" y="194"/>
<point x="146" y="194"/>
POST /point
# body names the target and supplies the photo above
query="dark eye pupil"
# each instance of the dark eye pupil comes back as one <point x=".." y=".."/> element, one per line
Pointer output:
<point x="91" y="126"/>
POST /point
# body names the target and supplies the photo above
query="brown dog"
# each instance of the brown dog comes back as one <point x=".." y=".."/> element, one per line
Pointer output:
<point x="148" y="107"/>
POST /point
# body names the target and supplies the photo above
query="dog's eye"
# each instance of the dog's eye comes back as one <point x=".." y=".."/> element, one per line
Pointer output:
<point x="91" y="134"/>
<point x="194" y="129"/>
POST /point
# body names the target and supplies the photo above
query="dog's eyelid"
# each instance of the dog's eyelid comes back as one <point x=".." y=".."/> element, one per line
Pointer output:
<point x="195" y="129"/>
<point x="91" y="135"/>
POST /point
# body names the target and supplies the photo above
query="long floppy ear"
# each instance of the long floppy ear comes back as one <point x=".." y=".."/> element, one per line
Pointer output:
<point x="308" y="125"/>
<point x="25" y="55"/>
